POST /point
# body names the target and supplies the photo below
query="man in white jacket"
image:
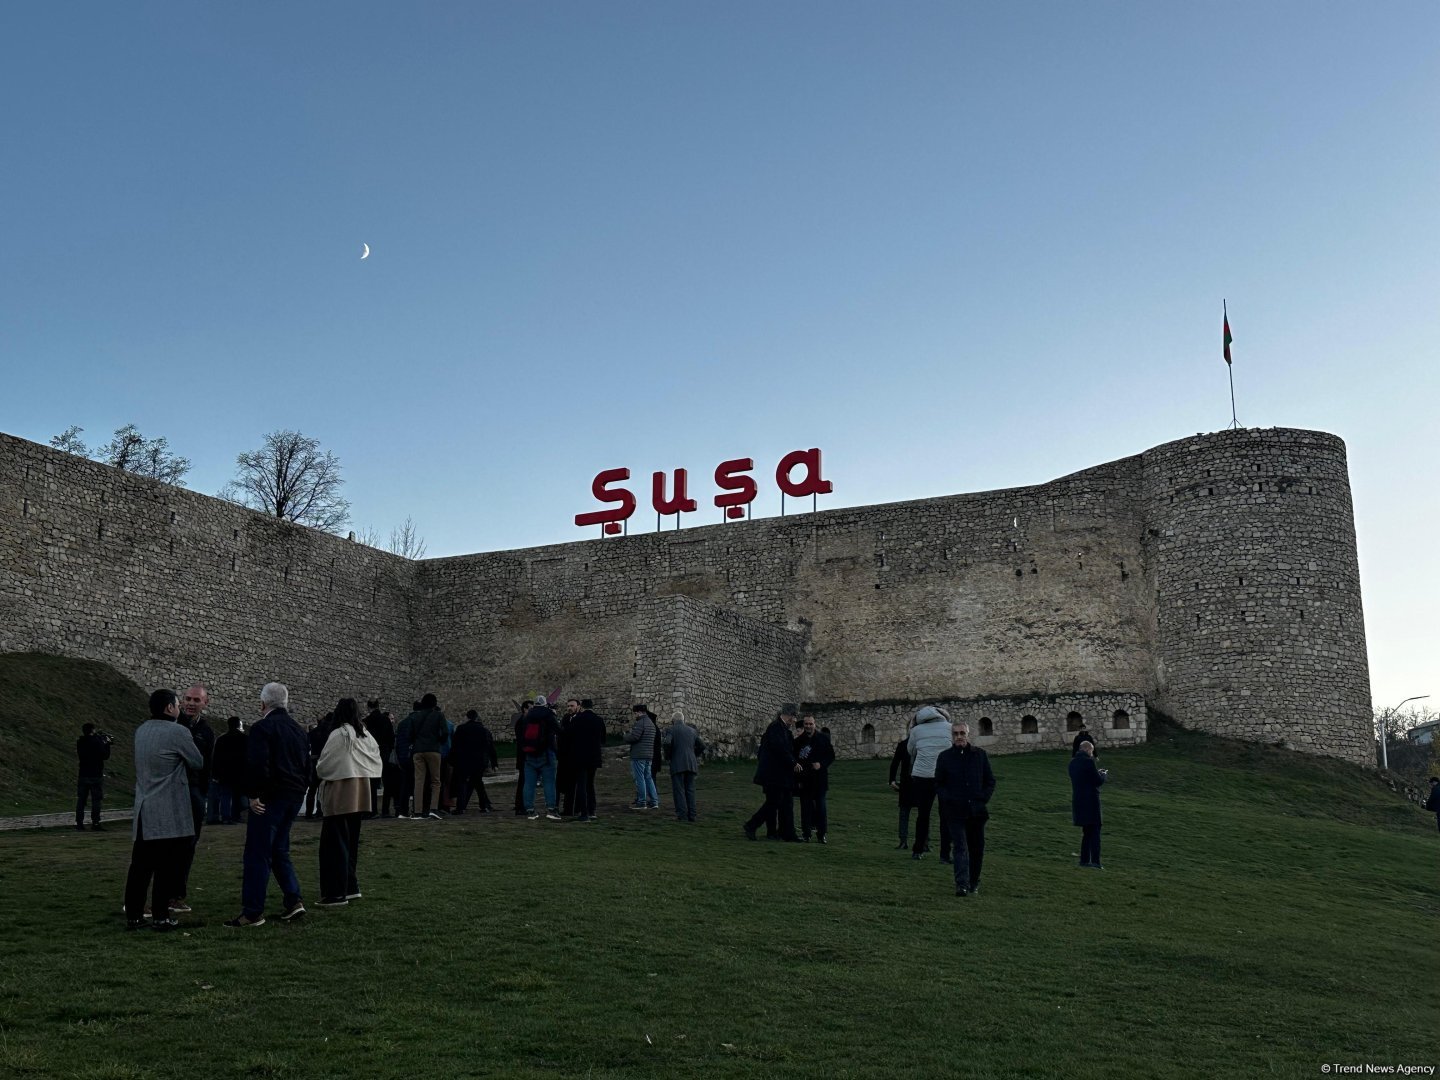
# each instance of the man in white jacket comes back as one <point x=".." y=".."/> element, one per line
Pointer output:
<point x="928" y="739"/>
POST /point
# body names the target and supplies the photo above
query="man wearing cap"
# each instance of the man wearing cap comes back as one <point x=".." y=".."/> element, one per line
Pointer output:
<point x="964" y="783"/>
<point x="929" y="738"/>
<point x="775" y="773"/>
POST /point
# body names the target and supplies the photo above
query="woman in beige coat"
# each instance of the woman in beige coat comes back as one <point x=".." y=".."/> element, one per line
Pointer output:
<point x="349" y="761"/>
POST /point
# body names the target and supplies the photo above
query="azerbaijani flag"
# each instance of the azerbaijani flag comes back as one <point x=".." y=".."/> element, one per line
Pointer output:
<point x="1228" y="338"/>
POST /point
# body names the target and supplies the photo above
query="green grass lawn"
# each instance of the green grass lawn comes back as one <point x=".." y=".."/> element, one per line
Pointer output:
<point x="1262" y="915"/>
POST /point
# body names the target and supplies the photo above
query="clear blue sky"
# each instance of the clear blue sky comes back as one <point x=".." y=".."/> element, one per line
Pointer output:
<point x="959" y="246"/>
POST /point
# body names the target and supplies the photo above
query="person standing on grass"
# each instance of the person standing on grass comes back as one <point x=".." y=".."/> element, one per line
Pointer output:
<point x="229" y="770"/>
<point x="536" y="746"/>
<point x="587" y="743"/>
<point x="429" y="736"/>
<point x="641" y="737"/>
<point x="1433" y="802"/>
<point x="1085" y="781"/>
<point x="565" y="759"/>
<point x="192" y="718"/>
<point x="900" y="781"/>
<point x="382" y="729"/>
<point x="348" y="763"/>
<point x="277" y="772"/>
<point x="929" y="738"/>
<point x="1083" y="736"/>
<point x="472" y="751"/>
<point x="92" y="749"/>
<point x="163" y="830"/>
<point x="815" y="753"/>
<point x="775" y="772"/>
<point x="684" y="747"/>
<point x="404" y="734"/>
<point x="964" y="784"/>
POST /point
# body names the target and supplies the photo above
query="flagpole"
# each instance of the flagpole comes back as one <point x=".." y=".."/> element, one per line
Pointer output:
<point x="1229" y="367"/>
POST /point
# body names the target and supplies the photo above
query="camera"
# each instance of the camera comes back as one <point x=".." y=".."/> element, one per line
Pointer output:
<point x="105" y="735"/>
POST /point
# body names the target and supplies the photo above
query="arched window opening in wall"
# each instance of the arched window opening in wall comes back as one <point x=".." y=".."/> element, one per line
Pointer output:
<point x="1074" y="721"/>
<point x="987" y="726"/>
<point x="1029" y="725"/>
<point x="867" y="735"/>
<point x="1121" y="720"/>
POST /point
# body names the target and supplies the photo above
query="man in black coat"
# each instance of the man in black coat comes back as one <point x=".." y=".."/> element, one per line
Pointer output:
<point x="964" y="784"/>
<point x="382" y="730"/>
<point x="776" y="773"/>
<point x="587" y="748"/>
<point x="229" y="770"/>
<point x="815" y="754"/>
<point x="472" y="751"/>
<point x="92" y="750"/>
<point x="1433" y="802"/>
<point x="192" y="716"/>
<point x="1085" y="781"/>
<point x="900" y="781"/>
<point x="1082" y="736"/>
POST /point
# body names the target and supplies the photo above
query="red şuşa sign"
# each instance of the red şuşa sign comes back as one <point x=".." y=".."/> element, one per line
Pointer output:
<point x="670" y="495"/>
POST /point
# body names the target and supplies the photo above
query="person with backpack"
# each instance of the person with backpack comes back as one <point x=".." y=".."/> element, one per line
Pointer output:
<point x="642" y="740"/>
<point x="535" y="744"/>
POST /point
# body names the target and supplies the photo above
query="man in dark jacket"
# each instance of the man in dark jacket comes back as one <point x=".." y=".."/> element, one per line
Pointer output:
<point x="1082" y="736"/>
<point x="535" y="743"/>
<point x="192" y="707"/>
<point x="277" y="760"/>
<point x="1085" y="781"/>
<point x="814" y="752"/>
<point x="382" y="730"/>
<point x="472" y="751"/>
<point x="565" y="760"/>
<point x="775" y="772"/>
<point x="587" y="745"/>
<point x="1433" y="802"/>
<point x="229" y="770"/>
<point x="964" y="784"/>
<point x="429" y="739"/>
<point x="92" y="750"/>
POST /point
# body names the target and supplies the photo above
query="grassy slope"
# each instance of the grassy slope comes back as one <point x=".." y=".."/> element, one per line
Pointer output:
<point x="1263" y="914"/>
<point x="43" y="702"/>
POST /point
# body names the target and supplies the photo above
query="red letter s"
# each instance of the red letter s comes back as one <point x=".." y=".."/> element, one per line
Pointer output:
<point x="741" y="489"/>
<point x="601" y="490"/>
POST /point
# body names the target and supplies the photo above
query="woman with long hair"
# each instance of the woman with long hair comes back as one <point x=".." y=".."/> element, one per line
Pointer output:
<point x="347" y="764"/>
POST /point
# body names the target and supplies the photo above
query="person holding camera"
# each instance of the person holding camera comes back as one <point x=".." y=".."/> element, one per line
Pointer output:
<point x="93" y="750"/>
<point x="1085" y="780"/>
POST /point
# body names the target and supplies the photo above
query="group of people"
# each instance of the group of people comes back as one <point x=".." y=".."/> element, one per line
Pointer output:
<point x="936" y="761"/>
<point x="347" y="768"/>
<point x="790" y="764"/>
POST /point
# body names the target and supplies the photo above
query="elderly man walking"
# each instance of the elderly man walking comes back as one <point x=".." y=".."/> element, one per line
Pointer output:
<point x="277" y="759"/>
<point x="964" y="783"/>
<point x="685" y="748"/>
<point x="164" y="825"/>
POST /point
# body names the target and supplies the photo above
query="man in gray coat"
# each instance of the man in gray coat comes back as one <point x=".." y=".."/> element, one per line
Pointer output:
<point x="164" y="825"/>
<point x="684" y="748"/>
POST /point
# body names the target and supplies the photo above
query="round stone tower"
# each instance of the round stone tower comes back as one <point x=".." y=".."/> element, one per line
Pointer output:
<point x="1250" y="539"/>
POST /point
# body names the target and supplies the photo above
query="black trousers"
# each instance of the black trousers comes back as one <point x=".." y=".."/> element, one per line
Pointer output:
<point x="470" y="780"/>
<point x="1090" y="845"/>
<point x="155" y="867"/>
<point x="922" y="797"/>
<point x="967" y="837"/>
<point x="777" y="814"/>
<point x="339" y="855"/>
<point x="585" y="790"/>
<point x="90" y="788"/>
<point x="565" y="771"/>
<point x="814" y="812"/>
<point x="197" y="812"/>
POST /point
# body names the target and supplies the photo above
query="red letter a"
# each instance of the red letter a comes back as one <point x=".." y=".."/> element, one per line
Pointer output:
<point x="811" y="484"/>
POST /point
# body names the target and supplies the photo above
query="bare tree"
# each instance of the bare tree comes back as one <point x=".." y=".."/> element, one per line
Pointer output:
<point x="130" y="451"/>
<point x="369" y="536"/>
<point x="291" y="478"/>
<point x="69" y="441"/>
<point x="406" y="541"/>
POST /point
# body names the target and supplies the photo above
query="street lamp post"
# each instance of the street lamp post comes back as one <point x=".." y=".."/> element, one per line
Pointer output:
<point x="1385" y="728"/>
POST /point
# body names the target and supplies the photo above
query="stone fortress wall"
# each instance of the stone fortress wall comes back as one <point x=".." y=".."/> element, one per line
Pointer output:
<point x="1076" y="596"/>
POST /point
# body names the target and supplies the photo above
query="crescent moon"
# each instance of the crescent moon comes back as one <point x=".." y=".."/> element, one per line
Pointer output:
<point x="366" y="253"/>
